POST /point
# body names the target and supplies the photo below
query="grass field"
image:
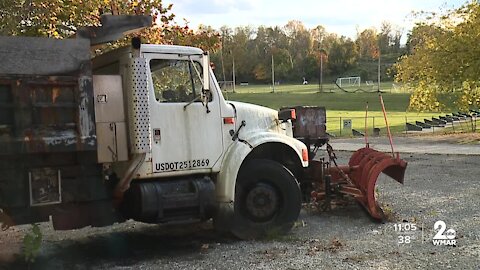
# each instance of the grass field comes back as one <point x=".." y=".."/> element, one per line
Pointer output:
<point x="339" y="104"/>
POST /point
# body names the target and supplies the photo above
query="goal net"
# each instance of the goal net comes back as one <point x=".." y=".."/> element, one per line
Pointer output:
<point x="348" y="81"/>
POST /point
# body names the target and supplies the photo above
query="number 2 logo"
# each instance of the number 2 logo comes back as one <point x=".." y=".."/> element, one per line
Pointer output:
<point x="441" y="226"/>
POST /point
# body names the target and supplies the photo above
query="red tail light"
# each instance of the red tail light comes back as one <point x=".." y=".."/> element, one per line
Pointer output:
<point x="286" y="114"/>
<point x="229" y="120"/>
<point x="304" y="154"/>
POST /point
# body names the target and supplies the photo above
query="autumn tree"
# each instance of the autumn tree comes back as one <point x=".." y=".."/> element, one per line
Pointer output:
<point x="343" y="55"/>
<point x="395" y="38"/>
<point x="300" y="46"/>
<point x="270" y="42"/>
<point x="383" y="38"/>
<point x="297" y="51"/>
<point x="61" y="19"/>
<point x="443" y="61"/>
<point x="367" y="43"/>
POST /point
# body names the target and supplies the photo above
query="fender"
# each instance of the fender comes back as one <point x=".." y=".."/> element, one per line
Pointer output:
<point x="236" y="154"/>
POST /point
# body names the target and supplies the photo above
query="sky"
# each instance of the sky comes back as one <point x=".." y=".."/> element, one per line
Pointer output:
<point x="342" y="17"/>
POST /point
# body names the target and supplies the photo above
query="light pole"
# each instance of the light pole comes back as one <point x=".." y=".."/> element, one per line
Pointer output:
<point x="273" y="75"/>
<point x="320" y="79"/>
<point x="233" y="72"/>
<point x="223" y="64"/>
<point x="378" y="72"/>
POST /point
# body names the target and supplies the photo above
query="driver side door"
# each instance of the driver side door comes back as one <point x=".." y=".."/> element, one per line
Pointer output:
<point x="186" y="138"/>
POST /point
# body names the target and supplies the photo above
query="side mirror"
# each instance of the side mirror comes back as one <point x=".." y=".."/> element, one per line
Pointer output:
<point x="206" y="71"/>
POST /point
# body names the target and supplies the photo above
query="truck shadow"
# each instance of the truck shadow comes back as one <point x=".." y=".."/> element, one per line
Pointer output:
<point x="131" y="244"/>
<point x="126" y="248"/>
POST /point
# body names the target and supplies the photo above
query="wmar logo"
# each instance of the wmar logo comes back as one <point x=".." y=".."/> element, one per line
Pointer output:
<point x="443" y="238"/>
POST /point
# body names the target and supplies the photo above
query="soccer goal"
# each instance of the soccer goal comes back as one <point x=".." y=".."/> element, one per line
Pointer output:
<point x="348" y="81"/>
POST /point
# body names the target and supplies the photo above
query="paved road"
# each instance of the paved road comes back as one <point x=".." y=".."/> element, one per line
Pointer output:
<point x="418" y="145"/>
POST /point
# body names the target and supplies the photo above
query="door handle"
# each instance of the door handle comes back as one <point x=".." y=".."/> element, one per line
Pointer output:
<point x="157" y="135"/>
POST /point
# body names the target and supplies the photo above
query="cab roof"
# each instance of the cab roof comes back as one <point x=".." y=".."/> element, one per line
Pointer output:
<point x="170" y="49"/>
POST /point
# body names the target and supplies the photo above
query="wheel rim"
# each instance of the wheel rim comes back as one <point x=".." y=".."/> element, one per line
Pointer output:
<point x="262" y="202"/>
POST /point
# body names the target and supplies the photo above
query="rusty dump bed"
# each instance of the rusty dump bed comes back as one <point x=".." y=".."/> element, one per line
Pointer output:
<point x="46" y="92"/>
<point x="47" y="132"/>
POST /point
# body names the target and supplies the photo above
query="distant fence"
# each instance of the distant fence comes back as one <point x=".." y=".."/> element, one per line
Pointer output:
<point x="355" y="126"/>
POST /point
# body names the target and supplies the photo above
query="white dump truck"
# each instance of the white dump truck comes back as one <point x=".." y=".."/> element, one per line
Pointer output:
<point x="143" y="132"/>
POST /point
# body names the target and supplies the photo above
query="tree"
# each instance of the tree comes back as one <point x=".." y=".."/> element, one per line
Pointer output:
<point x="300" y="47"/>
<point x="343" y="55"/>
<point x="262" y="45"/>
<point x="384" y="37"/>
<point x="296" y="52"/>
<point x="241" y="48"/>
<point x="395" y="40"/>
<point x="61" y="19"/>
<point x="367" y="43"/>
<point x="443" y="61"/>
<point x="318" y="34"/>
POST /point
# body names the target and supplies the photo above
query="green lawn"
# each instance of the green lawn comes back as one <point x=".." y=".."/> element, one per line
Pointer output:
<point x="314" y="87"/>
<point x="339" y="105"/>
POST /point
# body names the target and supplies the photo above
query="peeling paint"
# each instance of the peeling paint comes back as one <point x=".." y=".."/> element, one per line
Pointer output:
<point x="56" y="141"/>
<point x="50" y="114"/>
<point x="86" y="121"/>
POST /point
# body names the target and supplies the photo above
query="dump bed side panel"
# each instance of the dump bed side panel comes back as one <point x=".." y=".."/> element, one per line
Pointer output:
<point x="48" y="158"/>
<point x="45" y="114"/>
<point x="46" y="96"/>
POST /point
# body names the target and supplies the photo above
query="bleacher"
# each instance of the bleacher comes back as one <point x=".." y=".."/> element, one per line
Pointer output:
<point x="443" y="121"/>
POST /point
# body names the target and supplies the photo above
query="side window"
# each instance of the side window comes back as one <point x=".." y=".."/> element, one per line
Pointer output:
<point x="175" y="80"/>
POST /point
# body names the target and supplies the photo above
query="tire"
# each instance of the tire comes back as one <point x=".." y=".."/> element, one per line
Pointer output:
<point x="267" y="200"/>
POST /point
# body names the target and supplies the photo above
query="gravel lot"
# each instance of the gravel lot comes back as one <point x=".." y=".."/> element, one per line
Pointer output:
<point x="437" y="187"/>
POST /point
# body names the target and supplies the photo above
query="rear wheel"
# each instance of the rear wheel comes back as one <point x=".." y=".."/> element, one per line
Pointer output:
<point x="267" y="200"/>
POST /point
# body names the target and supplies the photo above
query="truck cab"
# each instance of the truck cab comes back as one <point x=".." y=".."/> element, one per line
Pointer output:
<point x="185" y="134"/>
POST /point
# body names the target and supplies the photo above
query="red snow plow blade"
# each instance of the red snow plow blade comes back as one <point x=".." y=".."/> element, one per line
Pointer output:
<point x="358" y="178"/>
<point x="329" y="180"/>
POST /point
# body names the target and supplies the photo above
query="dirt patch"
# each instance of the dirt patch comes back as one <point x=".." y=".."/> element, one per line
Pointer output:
<point x="453" y="138"/>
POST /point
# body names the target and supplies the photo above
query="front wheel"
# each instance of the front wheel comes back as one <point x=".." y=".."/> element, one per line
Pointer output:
<point x="267" y="200"/>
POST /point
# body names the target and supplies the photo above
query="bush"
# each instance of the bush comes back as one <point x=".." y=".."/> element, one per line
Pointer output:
<point x="31" y="243"/>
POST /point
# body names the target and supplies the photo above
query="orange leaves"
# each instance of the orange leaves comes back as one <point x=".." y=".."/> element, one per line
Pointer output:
<point x="375" y="53"/>
<point x="60" y="19"/>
